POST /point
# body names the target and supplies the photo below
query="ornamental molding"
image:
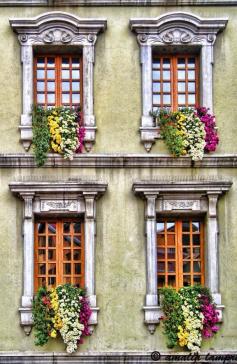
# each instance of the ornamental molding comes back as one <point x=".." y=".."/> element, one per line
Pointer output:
<point x="57" y="27"/>
<point x="169" y="205"/>
<point x="177" y="28"/>
<point x="52" y="205"/>
<point x="22" y="160"/>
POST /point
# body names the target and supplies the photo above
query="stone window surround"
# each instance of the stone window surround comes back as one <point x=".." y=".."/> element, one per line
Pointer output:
<point x="176" y="29"/>
<point x="63" y="30"/>
<point x="180" y="197"/>
<point x="49" y="198"/>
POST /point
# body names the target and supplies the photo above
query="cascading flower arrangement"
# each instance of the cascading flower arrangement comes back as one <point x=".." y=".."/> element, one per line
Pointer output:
<point x="188" y="131"/>
<point x="59" y="129"/>
<point x="62" y="311"/>
<point x="190" y="316"/>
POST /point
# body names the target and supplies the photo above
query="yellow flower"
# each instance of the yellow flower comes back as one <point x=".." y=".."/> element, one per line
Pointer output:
<point x="53" y="333"/>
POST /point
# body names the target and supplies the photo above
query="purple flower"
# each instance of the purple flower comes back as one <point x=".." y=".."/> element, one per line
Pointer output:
<point x="210" y="128"/>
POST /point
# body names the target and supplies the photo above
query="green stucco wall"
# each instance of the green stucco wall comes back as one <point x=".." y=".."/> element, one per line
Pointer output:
<point x="120" y="241"/>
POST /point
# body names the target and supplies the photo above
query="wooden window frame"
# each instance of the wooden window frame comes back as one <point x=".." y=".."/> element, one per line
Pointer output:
<point x="58" y="79"/>
<point x="174" y="105"/>
<point x="59" y="251"/>
<point x="178" y="245"/>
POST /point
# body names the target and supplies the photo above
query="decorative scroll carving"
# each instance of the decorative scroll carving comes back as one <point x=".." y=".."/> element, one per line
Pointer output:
<point x="181" y="205"/>
<point x="67" y="205"/>
<point x="176" y="36"/>
<point x="57" y="36"/>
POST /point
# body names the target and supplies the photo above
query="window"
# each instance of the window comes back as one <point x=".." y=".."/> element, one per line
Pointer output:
<point x="59" y="252"/>
<point x="54" y="79"/>
<point x="58" y="80"/>
<point x="175" y="81"/>
<point x="170" y="67"/>
<point x="180" y="252"/>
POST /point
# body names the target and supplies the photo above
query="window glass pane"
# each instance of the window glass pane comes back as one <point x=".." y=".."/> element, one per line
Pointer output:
<point x="186" y="267"/>
<point x="181" y="75"/>
<point x="51" y="254"/>
<point x="41" y="255"/>
<point x="156" y="75"/>
<point x="196" y="267"/>
<point x="65" y="86"/>
<point x="52" y="241"/>
<point x="41" y="282"/>
<point x="161" y="267"/>
<point x="161" y="253"/>
<point x="186" y="240"/>
<point x="172" y="281"/>
<point x="50" y="62"/>
<point x="51" y="281"/>
<point x="65" y="62"/>
<point x="50" y="74"/>
<point x="191" y="75"/>
<point x="65" y="98"/>
<point x="171" y="267"/>
<point x="161" y="281"/>
<point x="67" y="268"/>
<point x="76" y="241"/>
<point x="181" y="99"/>
<point x="160" y="239"/>
<point x="196" y="226"/>
<point x="171" y="253"/>
<point x="67" y="254"/>
<point x="51" y="86"/>
<point x="40" y="62"/>
<point x="181" y="62"/>
<point x="191" y="99"/>
<point x="66" y="227"/>
<point x="170" y="227"/>
<point x="166" y="75"/>
<point x="191" y="62"/>
<point x="41" y="228"/>
<point x="42" y="268"/>
<point x="77" y="268"/>
<point x="181" y="86"/>
<point x="185" y="226"/>
<point x="156" y="87"/>
<point x="65" y="74"/>
<point x="186" y="253"/>
<point x="52" y="228"/>
<point x="197" y="279"/>
<point x="166" y="63"/>
<point x="166" y="99"/>
<point x="156" y="64"/>
<point x="196" y="239"/>
<point x="52" y="269"/>
<point x="171" y="239"/>
<point x="67" y="280"/>
<point x="77" y="254"/>
<point x="186" y="281"/>
<point x="191" y="87"/>
<point x="40" y="86"/>
<point x="75" y="74"/>
<point x="77" y="227"/>
<point x="40" y="98"/>
<point x="166" y="87"/>
<point x="76" y="98"/>
<point x="76" y="62"/>
<point x="156" y="99"/>
<point x="75" y="86"/>
<point x="51" y="98"/>
<point x="40" y="74"/>
<point x="196" y="253"/>
<point x="67" y="240"/>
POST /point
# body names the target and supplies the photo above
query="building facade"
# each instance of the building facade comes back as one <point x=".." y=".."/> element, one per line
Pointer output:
<point x="119" y="60"/>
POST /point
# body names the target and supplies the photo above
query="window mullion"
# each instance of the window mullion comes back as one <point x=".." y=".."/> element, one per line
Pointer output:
<point x="59" y="252"/>
<point x="174" y="83"/>
<point x="58" y="64"/>
<point x="179" y="253"/>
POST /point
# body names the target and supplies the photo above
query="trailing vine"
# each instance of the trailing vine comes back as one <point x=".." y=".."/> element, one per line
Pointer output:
<point x="41" y="135"/>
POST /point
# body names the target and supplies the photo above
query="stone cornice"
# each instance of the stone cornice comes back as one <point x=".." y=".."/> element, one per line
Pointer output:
<point x="24" y="160"/>
<point x="137" y="3"/>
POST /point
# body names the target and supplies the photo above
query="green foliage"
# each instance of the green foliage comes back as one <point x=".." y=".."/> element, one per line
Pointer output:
<point x="171" y="306"/>
<point x="41" y="135"/>
<point x="41" y="317"/>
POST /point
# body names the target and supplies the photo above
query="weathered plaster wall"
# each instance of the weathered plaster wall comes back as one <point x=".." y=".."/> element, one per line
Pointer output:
<point x="120" y="262"/>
